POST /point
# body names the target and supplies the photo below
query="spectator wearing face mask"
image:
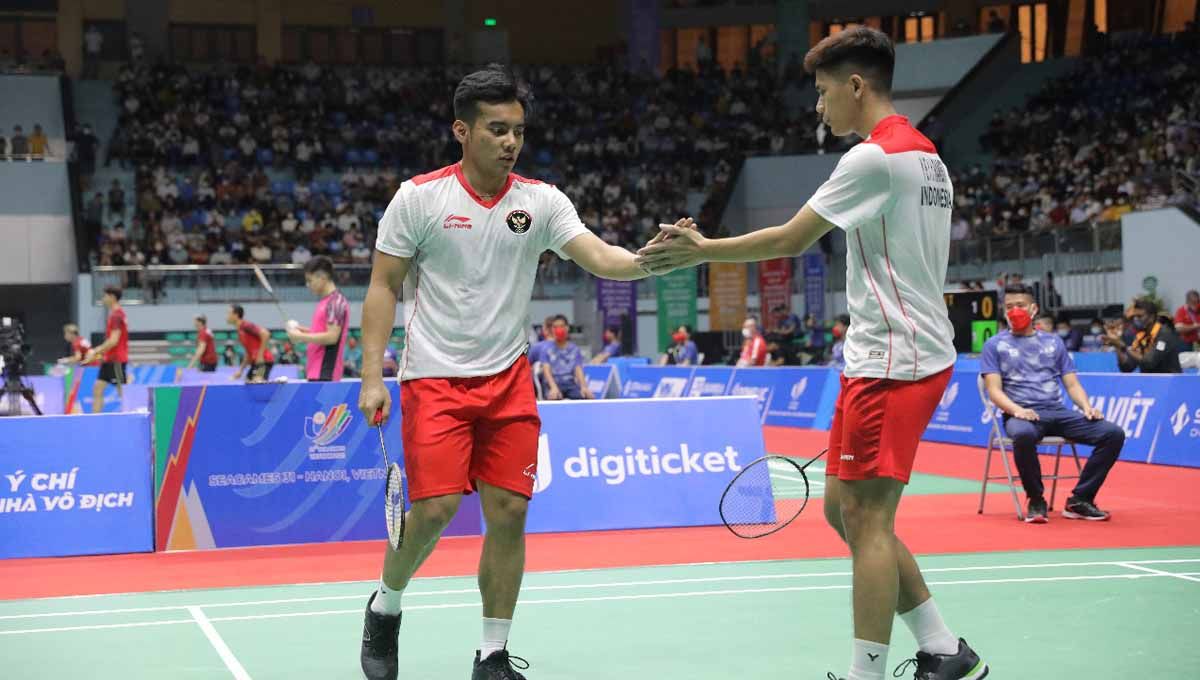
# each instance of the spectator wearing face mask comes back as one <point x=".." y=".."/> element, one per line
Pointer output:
<point x="562" y="369"/>
<point x="754" y="346"/>
<point x="1072" y="338"/>
<point x="837" y="358"/>
<point x="1155" y="347"/>
<point x="1044" y="323"/>
<point x="683" y="351"/>
<point x="1093" y="340"/>
<point x="612" y="345"/>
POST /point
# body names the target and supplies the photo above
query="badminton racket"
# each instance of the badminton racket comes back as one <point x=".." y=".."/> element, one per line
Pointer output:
<point x="766" y="496"/>
<point x="262" y="279"/>
<point x="395" y="496"/>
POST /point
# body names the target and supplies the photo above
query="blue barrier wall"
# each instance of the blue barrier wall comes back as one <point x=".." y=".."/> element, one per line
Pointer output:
<point x="75" y="485"/>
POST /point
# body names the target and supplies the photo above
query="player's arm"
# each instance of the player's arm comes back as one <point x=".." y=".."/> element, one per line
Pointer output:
<point x="263" y="338"/>
<point x="599" y="358"/>
<point x="329" y="336"/>
<point x="995" y="390"/>
<point x="551" y="383"/>
<point x="200" y="346"/>
<point x="110" y="342"/>
<point x="604" y="260"/>
<point x="1079" y="396"/>
<point x="379" y="317"/>
<point x="581" y="380"/>
<point x="684" y="246"/>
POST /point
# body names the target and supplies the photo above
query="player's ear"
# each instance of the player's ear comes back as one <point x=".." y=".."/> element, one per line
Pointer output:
<point x="858" y="85"/>
<point x="461" y="131"/>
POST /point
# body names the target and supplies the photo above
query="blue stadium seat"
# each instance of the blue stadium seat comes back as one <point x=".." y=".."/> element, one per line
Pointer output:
<point x="266" y="156"/>
<point x="333" y="188"/>
<point x="229" y="154"/>
<point x="389" y="118"/>
<point x="371" y="156"/>
<point x="187" y="192"/>
<point x="544" y="157"/>
<point x="279" y="187"/>
<point x="339" y="117"/>
<point x="354" y="157"/>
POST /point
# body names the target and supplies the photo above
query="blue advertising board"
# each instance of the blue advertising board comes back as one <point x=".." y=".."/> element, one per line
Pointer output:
<point x="242" y="465"/>
<point x="602" y="380"/>
<point x="75" y="485"/>
<point x="710" y="381"/>
<point x="661" y="382"/>
<point x="601" y="467"/>
<point x="796" y="399"/>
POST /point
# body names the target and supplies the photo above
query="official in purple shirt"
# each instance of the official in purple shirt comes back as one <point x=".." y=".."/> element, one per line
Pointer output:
<point x="1024" y="370"/>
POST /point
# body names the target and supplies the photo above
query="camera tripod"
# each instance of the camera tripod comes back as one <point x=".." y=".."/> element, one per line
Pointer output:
<point x="11" y="394"/>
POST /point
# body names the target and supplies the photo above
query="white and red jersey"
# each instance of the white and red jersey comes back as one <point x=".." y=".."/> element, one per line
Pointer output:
<point x="892" y="195"/>
<point x="473" y="268"/>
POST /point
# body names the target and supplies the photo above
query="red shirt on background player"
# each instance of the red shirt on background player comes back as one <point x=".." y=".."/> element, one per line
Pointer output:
<point x="468" y="238"/>
<point x="206" y="346"/>
<point x="114" y="350"/>
<point x="79" y="347"/>
<point x="254" y="338"/>
<point x="325" y="339"/>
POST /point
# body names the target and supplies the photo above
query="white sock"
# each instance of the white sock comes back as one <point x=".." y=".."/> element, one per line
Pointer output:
<point x="387" y="601"/>
<point x="495" y="636"/>
<point x="868" y="662"/>
<point x="927" y="626"/>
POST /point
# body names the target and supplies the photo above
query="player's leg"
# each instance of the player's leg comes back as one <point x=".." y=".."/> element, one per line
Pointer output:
<point x="503" y="467"/>
<point x="1108" y="440"/>
<point x="437" y="444"/>
<point x="98" y="395"/>
<point x="119" y="369"/>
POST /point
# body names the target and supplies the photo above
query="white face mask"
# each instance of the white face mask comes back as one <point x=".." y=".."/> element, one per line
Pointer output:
<point x="1096" y="330"/>
<point x="746" y="333"/>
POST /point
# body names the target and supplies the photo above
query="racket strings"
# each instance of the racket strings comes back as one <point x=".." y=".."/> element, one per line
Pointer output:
<point x="767" y="495"/>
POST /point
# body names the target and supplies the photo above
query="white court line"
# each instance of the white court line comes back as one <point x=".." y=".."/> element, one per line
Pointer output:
<point x="231" y="662"/>
<point x="1159" y="572"/>
<point x="606" y="598"/>
<point x="590" y="586"/>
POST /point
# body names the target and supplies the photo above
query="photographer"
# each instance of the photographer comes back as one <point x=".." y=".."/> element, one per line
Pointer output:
<point x="1155" y="348"/>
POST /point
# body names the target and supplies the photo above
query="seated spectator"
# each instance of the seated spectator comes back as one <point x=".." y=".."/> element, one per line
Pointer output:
<point x="562" y="370"/>
<point x="1072" y="338"/>
<point x="683" y="351"/>
<point x="39" y="146"/>
<point x="1093" y="340"/>
<point x="612" y="345"/>
<point x="537" y="350"/>
<point x="1022" y="369"/>
<point x="1155" y="347"/>
<point x="754" y="346"/>
<point x="837" y="357"/>
<point x="1187" y="321"/>
<point x="19" y="144"/>
<point x="353" y="357"/>
<point x="1044" y="322"/>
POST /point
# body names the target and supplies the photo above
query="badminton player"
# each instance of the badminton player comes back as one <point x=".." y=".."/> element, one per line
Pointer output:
<point x="206" y="346"/>
<point x="467" y="238"/>
<point x="892" y="196"/>
<point x="114" y="350"/>
<point x="257" y="360"/>
<point x="325" y="339"/>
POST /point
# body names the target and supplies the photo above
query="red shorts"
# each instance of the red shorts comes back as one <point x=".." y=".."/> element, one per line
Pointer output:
<point x="878" y="423"/>
<point x="458" y="431"/>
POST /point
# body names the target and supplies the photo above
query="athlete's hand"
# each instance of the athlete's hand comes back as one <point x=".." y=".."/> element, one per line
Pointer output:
<point x="373" y="397"/>
<point x="1026" y="414"/>
<point x="1093" y="413"/>
<point x="681" y="246"/>
<point x="555" y="394"/>
<point x="587" y="392"/>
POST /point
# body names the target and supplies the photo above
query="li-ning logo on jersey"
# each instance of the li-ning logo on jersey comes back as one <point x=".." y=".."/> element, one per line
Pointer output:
<point x="457" y="222"/>
<point x="518" y="221"/>
<point x="323" y="427"/>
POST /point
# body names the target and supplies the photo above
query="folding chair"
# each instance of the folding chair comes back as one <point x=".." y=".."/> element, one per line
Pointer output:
<point x="999" y="439"/>
<point x="537" y="380"/>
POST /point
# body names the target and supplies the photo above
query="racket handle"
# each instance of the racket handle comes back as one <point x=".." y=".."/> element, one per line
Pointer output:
<point x="378" y="419"/>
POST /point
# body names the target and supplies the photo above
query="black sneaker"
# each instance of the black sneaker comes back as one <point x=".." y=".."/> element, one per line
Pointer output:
<point x="499" y="666"/>
<point x="965" y="665"/>
<point x="380" y="633"/>
<point x="1037" y="512"/>
<point x="831" y="676"/>
<point x="1077" y="508"/>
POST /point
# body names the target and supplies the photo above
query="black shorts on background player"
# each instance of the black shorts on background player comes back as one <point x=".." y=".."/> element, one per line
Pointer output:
<point x="112" y="372"/>
<point x="208" y="368"/>
<point x="260" y="371"/>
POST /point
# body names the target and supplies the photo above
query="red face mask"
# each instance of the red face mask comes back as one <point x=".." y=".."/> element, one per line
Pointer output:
<point x="608" y="338"/>
<point x="679" y="337"/>
<point x="560" y="333"/>
<point x="837" y="332"/>
<point x="1019" y="319"/>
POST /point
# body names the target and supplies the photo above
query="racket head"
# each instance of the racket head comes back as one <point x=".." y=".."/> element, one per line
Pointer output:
<point x="262" y="278"/>
<point x="765" y="496"/>
<point x="395" y="495"/>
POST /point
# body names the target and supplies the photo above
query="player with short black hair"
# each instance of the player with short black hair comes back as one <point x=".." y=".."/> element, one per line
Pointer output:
<point x="465" y="242"/>
<point x="892" y="196"/>
<point x="206" y="346"/>
<point x="114" y="350"/>
<point x="325" y="337"/>
<point x="258" y="359"/>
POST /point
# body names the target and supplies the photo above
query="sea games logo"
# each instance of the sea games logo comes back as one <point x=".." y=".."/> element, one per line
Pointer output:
<point x="323" y="429"/>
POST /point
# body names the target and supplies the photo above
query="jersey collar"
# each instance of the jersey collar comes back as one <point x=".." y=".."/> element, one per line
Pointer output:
<point x="887" y="122"/>
<point x="462" y="180"/>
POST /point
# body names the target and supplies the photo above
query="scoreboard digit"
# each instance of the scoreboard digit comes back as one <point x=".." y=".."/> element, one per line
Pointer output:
<point x="974" y="316"/>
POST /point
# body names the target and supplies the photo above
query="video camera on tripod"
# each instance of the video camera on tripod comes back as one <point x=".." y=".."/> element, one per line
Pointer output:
<point x="12" y="368"/>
